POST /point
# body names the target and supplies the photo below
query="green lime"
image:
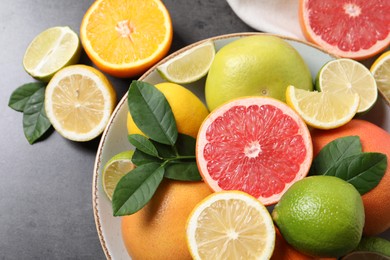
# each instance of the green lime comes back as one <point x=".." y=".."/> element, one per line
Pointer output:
<point x="362" y="255"/>
<point x="343" y="76"/>
<point x="190" y="65"/>
<point x="50" y="51"/>
<point x="117" y="167"/>
<point x="374" y="244"/>
<point x="322" y="216"/>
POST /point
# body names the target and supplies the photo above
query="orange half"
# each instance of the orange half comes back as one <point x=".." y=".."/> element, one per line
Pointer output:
<point x="126" y="37"/>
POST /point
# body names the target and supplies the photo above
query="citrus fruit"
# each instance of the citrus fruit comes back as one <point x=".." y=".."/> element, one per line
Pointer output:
<point x="189" y="65"/>
<point x="362" y="255"/>
<point x="373" y="139"/>
<point x="158" y="231"/>
<point x="50" y="51"/>
<point x="188" y="110"/>
<point x="79" y="101"/>
<point x="258" y="145"/>
<point x="321" y="216"/>
<point x="125" y="38"/>
<point x="343" y="76"/>
<point x="117" y="167"/>
<point x="374" y="244"/>
<point x="351" y="29"/>
<point x="260" y="65"/>
<point x="381" y="71"/>
<point x="230" y="225"/>
<point x="324" y="110"/>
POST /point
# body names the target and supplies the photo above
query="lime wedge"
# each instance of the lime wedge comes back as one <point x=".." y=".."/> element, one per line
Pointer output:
<point x="50" y="51"/>
<point x="117" y="167"/>
<point x="381" y="71"/>
<point x="190" y="65"/>
<point x="323" y="110"/>
<point x="343" y="76"/>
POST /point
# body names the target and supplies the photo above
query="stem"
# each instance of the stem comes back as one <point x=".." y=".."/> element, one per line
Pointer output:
<point x="180" y="157"/>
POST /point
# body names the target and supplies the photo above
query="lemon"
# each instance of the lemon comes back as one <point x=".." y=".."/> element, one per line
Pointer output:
<point x="323" y="110"/>
<point x="342" y="76"/>
<point x="188" y="110"/>
<point x="190" y="65"/>
<point x="50" y="51"/>
<point x="322" y="216"/>
<point x="230" y="225"/>
<point x="260" y="65"/>
<point x="79" y="101"/>
<point x="117" y="167"/>
<point x="381" y="71"/>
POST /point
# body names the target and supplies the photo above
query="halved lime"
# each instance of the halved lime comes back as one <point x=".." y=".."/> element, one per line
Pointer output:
<point x="190" y="65"/>
<point x="50" y="51"/>
<point x="342" y="76"/>
<point x="117" y="167"/>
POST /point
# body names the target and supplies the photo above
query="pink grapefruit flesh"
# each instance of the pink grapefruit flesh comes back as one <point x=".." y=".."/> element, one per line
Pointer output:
<point x="258" y="145"/>
<point x="356" y="29"/>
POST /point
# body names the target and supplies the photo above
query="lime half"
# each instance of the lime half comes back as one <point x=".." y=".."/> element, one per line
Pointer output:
<point x="190" y="65"/>
<point x="343" y="76"/>
<point x="117" y="167"/>
<point x="50" y="51"/>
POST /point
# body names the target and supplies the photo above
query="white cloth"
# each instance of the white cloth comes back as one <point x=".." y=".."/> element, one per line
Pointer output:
<point x="271" y="16"/>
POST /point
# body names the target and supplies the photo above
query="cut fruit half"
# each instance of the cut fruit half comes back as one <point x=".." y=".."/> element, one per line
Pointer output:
<point x="190" y="65"/>
<point x="117" y="167"/>
<point x="230" y="225"/>
<point x="381" y="71"/>
<point x="258" y="145"/>
<point x="323" y="110"/>
<point x="79" y="101"/>
<point x="350" y="29"/>
<point x="343" y="76"/>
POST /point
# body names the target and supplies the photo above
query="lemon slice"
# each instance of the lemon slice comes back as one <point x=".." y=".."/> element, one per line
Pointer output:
<point x="50" y="51"/>
<point x="230" y="225"/>
<point x="79" y="101"/>
<point x="381" y="71"/>
<point x="190" y="65"/>
<point x="324" y="110"/>
<point x="117" y="167"/>
<point x="343" y="76"/>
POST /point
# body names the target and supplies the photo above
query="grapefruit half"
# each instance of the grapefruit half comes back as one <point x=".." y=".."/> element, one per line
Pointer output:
<point x="258" y="145"/>
<point x="356" y="29"/>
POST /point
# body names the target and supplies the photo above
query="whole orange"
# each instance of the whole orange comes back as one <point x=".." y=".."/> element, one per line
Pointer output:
<point x="157" y="231"/>
<point x="374" y="139"/>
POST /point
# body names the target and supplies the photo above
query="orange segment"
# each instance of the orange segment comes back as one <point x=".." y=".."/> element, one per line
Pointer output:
<point x="125" y="38"/>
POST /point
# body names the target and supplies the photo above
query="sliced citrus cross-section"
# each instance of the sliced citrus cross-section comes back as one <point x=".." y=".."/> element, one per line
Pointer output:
<point x="126" y="37"/>
<point x="230" y="225"/>
<point x="381" y="71"/>
<point x="342" y="76"/>
<point x="50" y="51"/>
<point x="350" y="29"/>
<point x="258" y="145"/>
<point x="189" y="65"/>
<point x="323" y="110"/>
<point x="79" y="101"/>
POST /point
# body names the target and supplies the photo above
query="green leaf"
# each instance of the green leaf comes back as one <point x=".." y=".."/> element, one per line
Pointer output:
<point x="151" y="112"/>
<point x="22" y="94"/>
<point x="139" y="158"/>
<point x="185" y="144"/>
<point x="334" y="152"/>
<point x="143" y="144"/>
<point x="135" y="189"/>
<point x="364" y="170"/>
<point x="35" y="121"/>
<point x="182" y="171"/>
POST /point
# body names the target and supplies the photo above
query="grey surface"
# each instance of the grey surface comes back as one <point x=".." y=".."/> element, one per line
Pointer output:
<point x="46" y="188"/>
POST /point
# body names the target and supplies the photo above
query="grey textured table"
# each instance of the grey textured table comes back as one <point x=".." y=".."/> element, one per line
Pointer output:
<point x="46" y="188"/>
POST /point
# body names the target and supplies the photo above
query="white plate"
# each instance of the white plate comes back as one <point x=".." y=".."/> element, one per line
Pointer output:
<point x="114" y="139"/>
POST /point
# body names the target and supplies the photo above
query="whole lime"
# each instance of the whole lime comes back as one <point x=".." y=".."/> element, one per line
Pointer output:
<point x="322" y="216"/>
<point x="255" y="65"/>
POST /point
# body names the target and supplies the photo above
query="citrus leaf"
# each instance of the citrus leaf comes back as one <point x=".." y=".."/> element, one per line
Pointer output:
<point x="151" y="112"/>
<point x="139" y="158"/>
<point x="182" y="171"/>
<point x="21" y="95"/>
<point x="185" y="145"/>
<point x="334" y="152"/>
<point x="143" y="144"/>
<point x="364" y="171"/>
<point x="35" y="121"/>
<point x="135" y="189"/>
